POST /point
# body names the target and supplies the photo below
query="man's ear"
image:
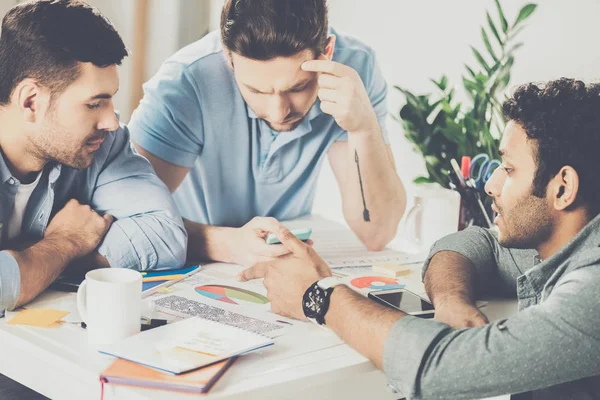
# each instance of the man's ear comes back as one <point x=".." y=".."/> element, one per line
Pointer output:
<point x="26" y="97"/>
<point x="566" y="188"/>
<point x="329" y="47"/>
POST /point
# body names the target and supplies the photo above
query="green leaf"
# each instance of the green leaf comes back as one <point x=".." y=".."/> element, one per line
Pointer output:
<point x="494" y="29"/>
<point x="514" y="33"/>
<point x="480" y="59"/>
<point x="421" y="180"/>
<point x="442" y="83"/>
<point x="503" y="21"/>
<point x="470" y="70"/>
<point x="515" y="47"/>
<point x="488" y="45"/>
<point x="525" y="12"/>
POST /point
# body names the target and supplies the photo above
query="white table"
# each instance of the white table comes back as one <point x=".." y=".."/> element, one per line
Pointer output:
<point x="58" y="363"/>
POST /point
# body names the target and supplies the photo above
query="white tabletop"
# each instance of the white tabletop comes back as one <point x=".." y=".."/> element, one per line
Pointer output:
<point x="310" y="363"/>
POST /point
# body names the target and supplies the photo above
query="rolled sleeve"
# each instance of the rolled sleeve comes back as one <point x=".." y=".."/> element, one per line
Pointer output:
<point x="168" y="122"/>
<point x="148" y="232"/>
<point x="128" y="247"/>
<point x="496" y="267"/>
<point x="10" y="282"/>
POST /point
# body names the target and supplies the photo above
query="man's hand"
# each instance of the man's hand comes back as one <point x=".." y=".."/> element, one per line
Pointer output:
<point x="343" y="95"/>
<point x="79" y="226"/>
<point x="287" y="278"/>
<point x="246" y="245"/>
<point x="459" y="314"/>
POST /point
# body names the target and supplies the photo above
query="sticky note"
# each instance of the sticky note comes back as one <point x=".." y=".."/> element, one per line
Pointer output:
<point x="165" y="290"/>
<point x="392" y="270"/>
<point x="43" y="317"/>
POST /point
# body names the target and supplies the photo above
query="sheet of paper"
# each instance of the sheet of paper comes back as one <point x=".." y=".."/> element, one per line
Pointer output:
<point x="43" y="317"/>
<point x="341" y="248"/>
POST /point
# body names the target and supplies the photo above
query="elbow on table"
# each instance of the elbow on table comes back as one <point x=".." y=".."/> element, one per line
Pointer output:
<point x="377" y="238"/>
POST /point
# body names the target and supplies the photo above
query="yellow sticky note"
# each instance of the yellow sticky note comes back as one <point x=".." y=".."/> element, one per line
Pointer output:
<point x="44" y="317"/>
<point x="392" y="270"/>
<point x="164" y="290"/>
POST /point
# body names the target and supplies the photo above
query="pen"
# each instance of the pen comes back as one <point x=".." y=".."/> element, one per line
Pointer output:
<point x="162" y="278"/>
<point x="458" y="172"/>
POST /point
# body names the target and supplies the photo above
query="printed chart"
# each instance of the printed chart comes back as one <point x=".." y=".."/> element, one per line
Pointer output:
<point x="375" y="283"/>
<point x="230" y="294"/>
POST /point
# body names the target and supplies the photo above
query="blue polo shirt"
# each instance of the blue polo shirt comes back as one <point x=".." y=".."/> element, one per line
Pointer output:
<point x="193" y="115"/>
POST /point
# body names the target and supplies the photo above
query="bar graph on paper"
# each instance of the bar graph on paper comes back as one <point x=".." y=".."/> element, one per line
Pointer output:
<point x="341" y="248"/>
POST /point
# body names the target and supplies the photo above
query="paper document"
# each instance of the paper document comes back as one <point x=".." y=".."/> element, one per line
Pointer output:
<point x="214" y="294"/>
<point x="341" y="248"/>
<point x="186" y="345"/>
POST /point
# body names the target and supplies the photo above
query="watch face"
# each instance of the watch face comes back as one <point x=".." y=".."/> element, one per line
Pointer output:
<point x="313" y="301"/>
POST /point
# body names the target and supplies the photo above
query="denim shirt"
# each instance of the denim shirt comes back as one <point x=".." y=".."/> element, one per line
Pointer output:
<point x="147" y="232"/>
<point x="549" y="350"/>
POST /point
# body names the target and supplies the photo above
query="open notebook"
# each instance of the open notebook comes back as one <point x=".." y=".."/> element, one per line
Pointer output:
<point x="123" y="372"/>
<point x="186" y="345"/>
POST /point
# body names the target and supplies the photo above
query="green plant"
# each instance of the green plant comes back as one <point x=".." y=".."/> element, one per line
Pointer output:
<point x="441" y="128"/>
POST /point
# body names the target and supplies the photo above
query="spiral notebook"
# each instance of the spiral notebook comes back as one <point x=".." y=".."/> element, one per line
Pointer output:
<point x="186" y="345"/>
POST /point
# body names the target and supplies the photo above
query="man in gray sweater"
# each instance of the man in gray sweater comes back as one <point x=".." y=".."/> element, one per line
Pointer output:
<point x="546" y="254"/>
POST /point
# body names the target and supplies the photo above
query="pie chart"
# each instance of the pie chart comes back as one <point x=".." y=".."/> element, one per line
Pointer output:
<point x="375" y="283"/>
<point x="230" y="294"/>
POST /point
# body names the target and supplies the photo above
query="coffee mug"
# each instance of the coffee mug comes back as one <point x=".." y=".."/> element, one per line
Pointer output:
<point x="434" y="215"/>
<point x="109" y="302"/>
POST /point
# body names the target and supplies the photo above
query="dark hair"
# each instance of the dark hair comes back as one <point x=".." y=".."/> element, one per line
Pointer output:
<point x="563" y="119"/>
<point x="44" y="40"/>
<point x="266" y="29"/>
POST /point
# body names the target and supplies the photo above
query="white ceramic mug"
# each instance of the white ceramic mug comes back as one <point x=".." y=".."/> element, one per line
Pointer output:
<point x="109" y="302"/>
<point x="435" y="214"/>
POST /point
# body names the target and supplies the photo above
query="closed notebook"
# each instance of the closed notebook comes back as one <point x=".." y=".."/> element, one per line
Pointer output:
<point x="123" y="372"/>
<point x="186" y="345"/>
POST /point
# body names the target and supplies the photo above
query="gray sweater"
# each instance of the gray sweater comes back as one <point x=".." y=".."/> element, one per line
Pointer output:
<point x="551" y="348"/>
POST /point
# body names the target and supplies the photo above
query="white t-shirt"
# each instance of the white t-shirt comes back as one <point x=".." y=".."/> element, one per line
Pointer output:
<point x="21" y="199"/>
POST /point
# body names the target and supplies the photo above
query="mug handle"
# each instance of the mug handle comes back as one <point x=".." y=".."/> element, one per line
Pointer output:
<point x="411" y="219"/>
<point x="81" y="300"/>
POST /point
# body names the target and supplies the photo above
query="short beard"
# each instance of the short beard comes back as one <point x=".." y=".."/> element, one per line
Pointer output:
<point x="529" y="226"/>
<point x="48" y="146"/>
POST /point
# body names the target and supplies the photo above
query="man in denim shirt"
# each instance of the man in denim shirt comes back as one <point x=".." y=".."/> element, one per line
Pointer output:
<point x="547" y="196"/>
<point x="72" y="191"/>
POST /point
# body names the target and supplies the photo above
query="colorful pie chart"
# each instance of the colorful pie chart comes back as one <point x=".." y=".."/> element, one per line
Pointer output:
<point x="375" y="283"/>
<point x="230" y="294"/>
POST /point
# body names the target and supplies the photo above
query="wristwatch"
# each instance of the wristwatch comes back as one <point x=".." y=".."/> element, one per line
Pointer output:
<point x="315" y="302"/>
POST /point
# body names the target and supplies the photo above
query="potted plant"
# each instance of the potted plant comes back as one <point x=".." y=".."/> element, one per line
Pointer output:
<point x="441" y="128"/>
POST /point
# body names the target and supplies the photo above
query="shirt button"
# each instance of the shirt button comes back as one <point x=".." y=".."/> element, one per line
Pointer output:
<point x="11" y="181"/>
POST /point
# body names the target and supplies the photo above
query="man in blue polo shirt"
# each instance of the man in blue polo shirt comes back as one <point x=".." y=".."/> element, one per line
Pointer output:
<point x="238" y="124"/>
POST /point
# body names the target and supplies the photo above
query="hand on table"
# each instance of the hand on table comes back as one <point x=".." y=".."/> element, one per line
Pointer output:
<point x="287" y="278"/>
<point x="459" y="314"/>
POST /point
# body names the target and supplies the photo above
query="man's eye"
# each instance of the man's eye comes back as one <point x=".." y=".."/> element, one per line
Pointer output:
<point x="506" y="169"/>
<point x="93" y="106"/>
<point x="298" y="90"/>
